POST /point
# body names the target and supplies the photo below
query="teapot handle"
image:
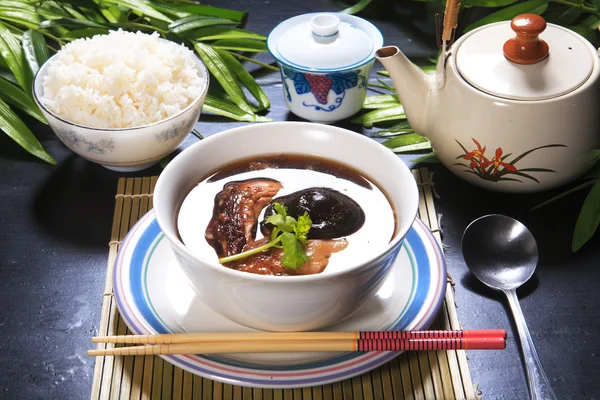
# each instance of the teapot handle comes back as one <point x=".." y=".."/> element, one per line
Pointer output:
<point x="526" y="47"/>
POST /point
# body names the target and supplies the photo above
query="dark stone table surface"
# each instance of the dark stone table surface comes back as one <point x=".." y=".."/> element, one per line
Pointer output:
<point x="55" y="224"/>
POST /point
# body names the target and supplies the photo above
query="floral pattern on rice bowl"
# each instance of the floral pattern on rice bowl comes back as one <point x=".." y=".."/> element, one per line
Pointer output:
<point x="73" y="139"/>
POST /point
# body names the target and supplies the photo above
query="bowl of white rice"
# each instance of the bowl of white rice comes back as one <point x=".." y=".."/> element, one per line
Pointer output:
<point x="123" y="100"/>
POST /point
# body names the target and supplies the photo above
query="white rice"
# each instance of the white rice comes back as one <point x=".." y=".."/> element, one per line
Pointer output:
<point x="121" y="80"/>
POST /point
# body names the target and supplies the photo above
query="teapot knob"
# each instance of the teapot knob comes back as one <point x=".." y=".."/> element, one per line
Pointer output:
<point x="526" y="47"/>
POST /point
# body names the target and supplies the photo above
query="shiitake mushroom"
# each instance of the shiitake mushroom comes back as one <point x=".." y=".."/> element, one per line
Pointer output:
<point x="333" y="214"/>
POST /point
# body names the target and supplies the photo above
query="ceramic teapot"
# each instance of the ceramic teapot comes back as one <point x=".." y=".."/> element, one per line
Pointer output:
<point x="513" y="106"/>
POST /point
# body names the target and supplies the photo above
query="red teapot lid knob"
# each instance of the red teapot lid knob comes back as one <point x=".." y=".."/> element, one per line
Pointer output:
<point x="526" y="47"/>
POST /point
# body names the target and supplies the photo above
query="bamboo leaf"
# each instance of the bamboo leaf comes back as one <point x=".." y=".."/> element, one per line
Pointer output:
<point x="71" y="22"/>
<point x="412" y="147"/>
<point x="201" y="9"/>
<point x="13" y="55"/>
<point x="21" y="16"/>
<point x="220" y="32"/>
<point x="241" y="45"/>
<point x="404" y="140"/>
<point x="197" y="21"/>
<point x="85" y="33"/>
<point x="228" y="109"/>
<point x="226" y="78"/>
<point x="248" y="80"/>
<point x="400" y="127"/>
<point x="588" y="219"/>
<point x="589" y="34"/>
<point x="430" y="158"/>
<point x="381" y="101"/>
<point x="489" y="3"/>
<point x="508" y="13"/>
<point x="358" y="7"/>
<point x="14" y="127"/>
<point x="36" y="49"/>
<point x="142" y="7"/>
<point x="18" y="98"/>
<point x="383" y="114"/>
<point x="563" y="194"/>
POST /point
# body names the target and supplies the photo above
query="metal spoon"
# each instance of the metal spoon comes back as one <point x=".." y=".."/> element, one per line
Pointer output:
<point x="503" y="254"/>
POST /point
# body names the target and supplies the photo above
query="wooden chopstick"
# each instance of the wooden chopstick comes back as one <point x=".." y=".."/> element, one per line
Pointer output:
<point x="284" y="346"/>
<point x="204" y="337"/>
<point x="362" y="345"/>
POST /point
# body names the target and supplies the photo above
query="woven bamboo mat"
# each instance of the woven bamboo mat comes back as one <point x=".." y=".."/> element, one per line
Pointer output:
<point x="417" y="375"/>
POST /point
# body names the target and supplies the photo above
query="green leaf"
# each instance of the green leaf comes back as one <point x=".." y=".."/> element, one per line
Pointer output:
<point x="18" y="98"/>
<point x="36" y="49"/>
<point x="563" y="16"/>
<point x="412" y="147"/>
<point x="508" y="13"/>
<point x="381" y="101"/>
<point x="302" y="227"/>
<point x="248" y="80"/>
<point x="71" y="22"/>
<point x="399" y="128"/>
<point x="592" y="22"/>
<point x="14" y="56"/>
<point x="228" y="109"/>
<point x="85" y="33"/>
<point x="563" y="194"/>
<point x="197" y="21"/>
<point x="588" y="219"/>
<point x="200" y="9"/>
<point x="217" y="66"/>
<point x="589" y="34"/>
<point x="293" y="252"/>
<point x="383" y="114"/>
<point x="357" y="7"/>
<point x="407" y="140"/>
<point x="21" y="15"/>
<point x="220" y="32"/>
<point x="488" y="3"/>
<point x="430" y="158"/>
<point x="14" y="127"/>
<point x="140" y="6"/>
<point x="241" y="45"/>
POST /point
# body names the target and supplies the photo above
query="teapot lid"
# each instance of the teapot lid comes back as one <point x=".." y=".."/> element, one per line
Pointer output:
<point x="324" y="42"/>
<point x="524" y="66"/>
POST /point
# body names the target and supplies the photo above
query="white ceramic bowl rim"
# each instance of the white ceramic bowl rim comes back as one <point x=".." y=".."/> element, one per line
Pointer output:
<point x="399" y="236"/>
<point x="376" y="45"/>
<point x="40" y="104"/>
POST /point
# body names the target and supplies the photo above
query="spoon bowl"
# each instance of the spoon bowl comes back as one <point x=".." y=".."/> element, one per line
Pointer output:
<point x="505" y="255"/>
<point x="502" y="253"/>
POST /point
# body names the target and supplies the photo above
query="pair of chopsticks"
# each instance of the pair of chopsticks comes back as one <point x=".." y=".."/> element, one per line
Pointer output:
<point x="283" y="342"/>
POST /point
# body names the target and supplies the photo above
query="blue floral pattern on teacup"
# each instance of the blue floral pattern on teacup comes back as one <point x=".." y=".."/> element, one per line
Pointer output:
<point x="320" y="86"/>
<point x="71" y="138"/>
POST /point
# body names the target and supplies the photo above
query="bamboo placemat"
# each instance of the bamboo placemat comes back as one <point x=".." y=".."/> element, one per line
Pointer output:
<point x="418" y="375"/>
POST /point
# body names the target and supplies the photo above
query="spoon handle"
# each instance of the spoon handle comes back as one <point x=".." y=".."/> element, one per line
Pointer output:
<point x="539" y="385"/>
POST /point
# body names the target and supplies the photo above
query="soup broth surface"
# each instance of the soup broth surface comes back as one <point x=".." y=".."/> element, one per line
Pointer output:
<point x="295" y="173"/>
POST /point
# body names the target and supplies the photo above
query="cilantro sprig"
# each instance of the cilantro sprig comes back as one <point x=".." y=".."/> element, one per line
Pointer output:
<point x="288" y="233"/>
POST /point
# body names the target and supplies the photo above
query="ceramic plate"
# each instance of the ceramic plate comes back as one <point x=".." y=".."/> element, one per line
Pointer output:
<point x="153" y="296"/>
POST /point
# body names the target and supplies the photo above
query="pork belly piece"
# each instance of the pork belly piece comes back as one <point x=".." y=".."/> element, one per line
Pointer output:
<point x="235" y="214"/>
<point x="269" y="262"/>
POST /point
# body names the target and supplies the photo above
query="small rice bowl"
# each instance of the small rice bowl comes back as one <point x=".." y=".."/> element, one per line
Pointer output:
<point x="121" y="80"/>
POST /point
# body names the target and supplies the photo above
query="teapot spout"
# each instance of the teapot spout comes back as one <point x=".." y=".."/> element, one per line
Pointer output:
<point x="413" y="86"/>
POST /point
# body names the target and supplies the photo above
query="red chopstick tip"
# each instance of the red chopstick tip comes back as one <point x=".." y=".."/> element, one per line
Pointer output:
<point x="485" y="343"/>
<point x="474" y="333"/>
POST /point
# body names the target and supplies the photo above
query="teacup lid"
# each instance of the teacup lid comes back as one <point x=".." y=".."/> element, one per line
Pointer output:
<point x="322" y="42"/>
<point x="525" y="66"/>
